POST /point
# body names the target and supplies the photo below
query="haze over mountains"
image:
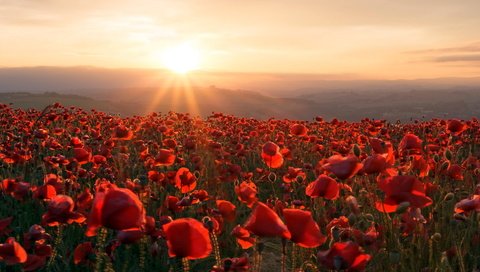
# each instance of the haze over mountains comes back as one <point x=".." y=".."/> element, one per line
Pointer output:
<point x="295" y="96"/>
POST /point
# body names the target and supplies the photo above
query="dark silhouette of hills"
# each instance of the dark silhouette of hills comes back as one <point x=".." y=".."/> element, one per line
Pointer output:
<point x="134" y="91"/>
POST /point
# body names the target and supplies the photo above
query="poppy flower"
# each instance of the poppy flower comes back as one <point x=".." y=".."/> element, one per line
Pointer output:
<point x="271" y="155"/>
<point x="456" y="127"/>
<point x="121" y="132"/>
<point x="305" y="232"/>
<point x="247" y="193"/>
<point x="226" y="209"/>
<point x="185" y="180"/>
<point x="187" y="238"/>
<point x="400" y="189"/>
<point x="410" y="145"/>
<point x="165" y="157"/>
<point x="34" y="262"/>
<point x="468" y="205"/>
<point x="375" y="164"/>
<point x="243" y="237"/>
<point x="292" y="175"/>
<point x="454" y="171"/>
<point x="344" y="256"/>
<point x="323" y="186"/>
<point x="115" y="208"/>
<point x="44" y="192"/>
<point x="264" y="222"/>
<point x="12" y="252"/>
<point x="298" y="130"/>
<point x="130" y="236"/>
<point x="4" y="223"/>
<point x="343" y="167"/>
<point x="82" y="155"/>
<point x="60" y="211"/>
<point x="82" y="251"/>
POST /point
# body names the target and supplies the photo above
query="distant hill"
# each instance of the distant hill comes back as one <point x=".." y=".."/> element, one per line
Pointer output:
<point x="140" y="91"/>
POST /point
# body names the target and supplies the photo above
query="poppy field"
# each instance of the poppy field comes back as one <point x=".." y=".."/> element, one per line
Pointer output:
<point x="90" y="191"/>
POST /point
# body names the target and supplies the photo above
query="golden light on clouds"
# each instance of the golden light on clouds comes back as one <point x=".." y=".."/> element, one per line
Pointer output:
<point x="369" y="38"/>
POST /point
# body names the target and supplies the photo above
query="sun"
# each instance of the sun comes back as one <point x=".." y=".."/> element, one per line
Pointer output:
<point x="181" y="59"/>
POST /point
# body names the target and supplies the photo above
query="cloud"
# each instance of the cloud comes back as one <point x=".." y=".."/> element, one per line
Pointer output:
<point x="458" y="58"/>
<point x="473" y="47"/>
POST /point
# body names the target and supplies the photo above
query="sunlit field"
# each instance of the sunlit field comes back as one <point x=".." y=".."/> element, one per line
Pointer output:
<point x="88" y="191"/>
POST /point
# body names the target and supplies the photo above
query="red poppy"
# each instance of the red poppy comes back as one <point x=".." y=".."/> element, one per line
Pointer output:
<point x="44" y="192"/>
<point x="343" y="167"/>
<point x="400" y="189"/>
<point x="293" y="174"/>
<point x="454" y="171"/>
<point x="34" y="262"/>
<point x="305" y="232"/>
<point x="81" y="252"/>
<point x="468" y="205"/>
<point x="271" y="155"/>
<point x="323" y="186"/>
<point x="456" y="127"/>
<point x="227" y="210"/>
<point x="247" y="193"/>
<point x="12" y="252"/>
<point x="4" y="223"/>
<point x="185" y="180"/>
<point x="115" y="208"/>
<point x="187" y="238"/>
<point x="375" y="164"/>
<point x="243" y="237"/>
<point x="121" y="132"/>
<point x="60" y="211"/>
<point x="82" y="155"/>
<point x="344" y="256"/>
<point x="410" y="144"/>
<point x="263" y="221"/>
<point x="298" y="130"/>
<point x="165" y="157"/>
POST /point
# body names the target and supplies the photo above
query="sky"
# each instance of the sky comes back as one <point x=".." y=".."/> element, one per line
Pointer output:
<point x="371" y="39"/>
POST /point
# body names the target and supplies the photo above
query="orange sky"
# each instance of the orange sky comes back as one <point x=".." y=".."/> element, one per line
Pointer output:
<point x="369" y="38"/>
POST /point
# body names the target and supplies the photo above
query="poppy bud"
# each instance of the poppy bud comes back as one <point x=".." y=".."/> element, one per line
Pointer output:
<point x="369" y="217"/>
<point x="352" y="218"/>
<point x="448" y="154"/>
<point x="356" y="150"/>
<point x="436" y="158"/>
<point x="449" y="197"/>
<point x="402" y="207"/>
<point x="436" y="237"/>
<point x="444" y="166"/>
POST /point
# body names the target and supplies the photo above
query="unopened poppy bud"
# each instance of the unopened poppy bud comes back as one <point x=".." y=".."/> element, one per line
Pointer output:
<point x="208" y="223"/>
<point x="448" y="154"/>
<point x="356" y="150"/>
<point x="369" y="217"/>
<point x="436" y="158"/>
<point x="272" y="177"/>
<point x="436" y="237"/>
<point x="449" y="197"/>
<point x="444" y="166"/>
<point x="402" y="207"/>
